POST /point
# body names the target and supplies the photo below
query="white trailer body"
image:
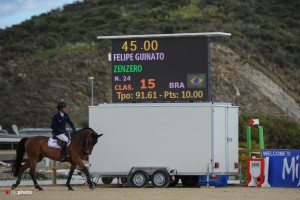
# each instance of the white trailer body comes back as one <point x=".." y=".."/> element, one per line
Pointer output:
<point x="183" y="138"/>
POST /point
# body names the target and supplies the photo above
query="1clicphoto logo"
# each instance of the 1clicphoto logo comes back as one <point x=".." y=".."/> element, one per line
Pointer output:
<point x="18" y="192"/>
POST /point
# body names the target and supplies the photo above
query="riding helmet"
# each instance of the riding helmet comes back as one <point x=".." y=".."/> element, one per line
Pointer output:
<point x="61" y="105"/>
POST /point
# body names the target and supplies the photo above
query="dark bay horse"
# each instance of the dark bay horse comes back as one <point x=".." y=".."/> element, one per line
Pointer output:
<point x="82" y="143"/>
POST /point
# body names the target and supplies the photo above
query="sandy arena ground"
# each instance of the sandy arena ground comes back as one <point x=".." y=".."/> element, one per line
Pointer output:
<point x="128" y="193"/>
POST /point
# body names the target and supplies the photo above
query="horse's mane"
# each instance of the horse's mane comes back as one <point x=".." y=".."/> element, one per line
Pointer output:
<point x="83" y="129"/>
<point x="83" y="132"/>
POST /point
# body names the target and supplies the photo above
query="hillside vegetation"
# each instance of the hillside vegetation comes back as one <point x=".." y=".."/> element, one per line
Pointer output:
<point x="50" y="57"/>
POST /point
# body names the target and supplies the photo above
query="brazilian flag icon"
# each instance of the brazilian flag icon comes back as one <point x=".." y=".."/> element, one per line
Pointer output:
<point x="196" y="80"/>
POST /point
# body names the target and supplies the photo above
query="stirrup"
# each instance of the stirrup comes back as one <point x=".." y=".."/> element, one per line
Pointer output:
<point x="64" y="157"/>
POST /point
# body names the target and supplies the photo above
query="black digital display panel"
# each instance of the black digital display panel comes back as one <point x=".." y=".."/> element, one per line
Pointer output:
<point x="174" y="69"/>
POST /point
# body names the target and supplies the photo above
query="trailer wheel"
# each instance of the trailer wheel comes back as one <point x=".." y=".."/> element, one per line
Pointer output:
<point x="107" y="180"/>
<point x="160" y="178"/>
<point x="189" y="181"/>
<point x="139" y="179"/>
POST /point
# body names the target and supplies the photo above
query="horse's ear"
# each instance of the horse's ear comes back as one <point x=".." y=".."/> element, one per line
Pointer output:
<point x="99" y="135"/>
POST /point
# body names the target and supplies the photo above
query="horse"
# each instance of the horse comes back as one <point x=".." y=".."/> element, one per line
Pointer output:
<point x="82" y="143"/>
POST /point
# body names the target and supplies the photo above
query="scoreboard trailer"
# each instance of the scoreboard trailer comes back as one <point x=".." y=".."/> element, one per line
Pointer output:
<point x="164" y="142"/>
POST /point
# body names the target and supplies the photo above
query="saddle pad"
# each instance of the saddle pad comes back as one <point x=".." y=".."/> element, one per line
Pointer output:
<point x="53" y="143"/>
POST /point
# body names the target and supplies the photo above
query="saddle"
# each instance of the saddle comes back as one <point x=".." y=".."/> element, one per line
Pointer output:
<point x="55" y="142"/>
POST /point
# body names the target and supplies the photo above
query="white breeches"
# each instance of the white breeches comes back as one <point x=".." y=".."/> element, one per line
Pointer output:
<point x="63" y="137"/>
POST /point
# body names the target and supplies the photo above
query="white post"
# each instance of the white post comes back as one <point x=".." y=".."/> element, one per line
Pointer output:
<point x="207" y="176"/>
<point x="266" y="181"/>
<point x="47" y="162"/>
<point x="92" y="80"/>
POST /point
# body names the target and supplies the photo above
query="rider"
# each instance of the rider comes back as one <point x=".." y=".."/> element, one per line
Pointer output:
<point x="58" y="126"/>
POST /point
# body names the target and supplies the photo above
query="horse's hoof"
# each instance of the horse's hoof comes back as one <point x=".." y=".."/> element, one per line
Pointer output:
<point x="13" y="186"/>
<point x="70" y="188"/>
<point x="39" y="188"/>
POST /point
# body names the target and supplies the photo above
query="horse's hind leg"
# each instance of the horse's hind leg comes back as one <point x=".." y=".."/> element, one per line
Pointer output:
<point x="32" y="173"/>
<point x="22" y="169"/>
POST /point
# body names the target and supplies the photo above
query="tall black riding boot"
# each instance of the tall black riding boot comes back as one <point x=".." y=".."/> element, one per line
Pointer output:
<point x="63" y="155"/>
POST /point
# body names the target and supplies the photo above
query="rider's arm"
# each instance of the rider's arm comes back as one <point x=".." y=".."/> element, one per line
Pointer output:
<point x="70" y="122"/>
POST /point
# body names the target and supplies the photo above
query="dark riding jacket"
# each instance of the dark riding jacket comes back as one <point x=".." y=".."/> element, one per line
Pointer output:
<point x="58" y="124"/>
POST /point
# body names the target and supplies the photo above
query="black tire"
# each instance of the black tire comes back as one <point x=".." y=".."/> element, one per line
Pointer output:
<point x="107" y="180"/>
<point x="189" y="181"/>
<point x="160" y="178"/>
<point x="139" y="179"/>
<point x="175" y="182"/>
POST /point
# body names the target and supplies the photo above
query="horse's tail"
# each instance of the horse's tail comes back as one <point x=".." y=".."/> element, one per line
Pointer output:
<point x="20" y="154"/>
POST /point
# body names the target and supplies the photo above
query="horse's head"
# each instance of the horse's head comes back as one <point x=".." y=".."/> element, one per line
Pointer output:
<point x="87" y="137"/>
<point x="91" y="142"/>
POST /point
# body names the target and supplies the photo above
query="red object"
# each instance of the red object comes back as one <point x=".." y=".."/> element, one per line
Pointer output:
<point x="236" y="165"/>
<point x="217" y="165"/>
<point x="262" y="171"/>
<point x="123" y="180"/>
<point x="254" y="122"/>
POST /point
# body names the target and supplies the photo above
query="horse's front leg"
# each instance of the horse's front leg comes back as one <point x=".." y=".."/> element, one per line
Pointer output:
<point x="73" y="166"/>
<point x="87" y="174"/>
